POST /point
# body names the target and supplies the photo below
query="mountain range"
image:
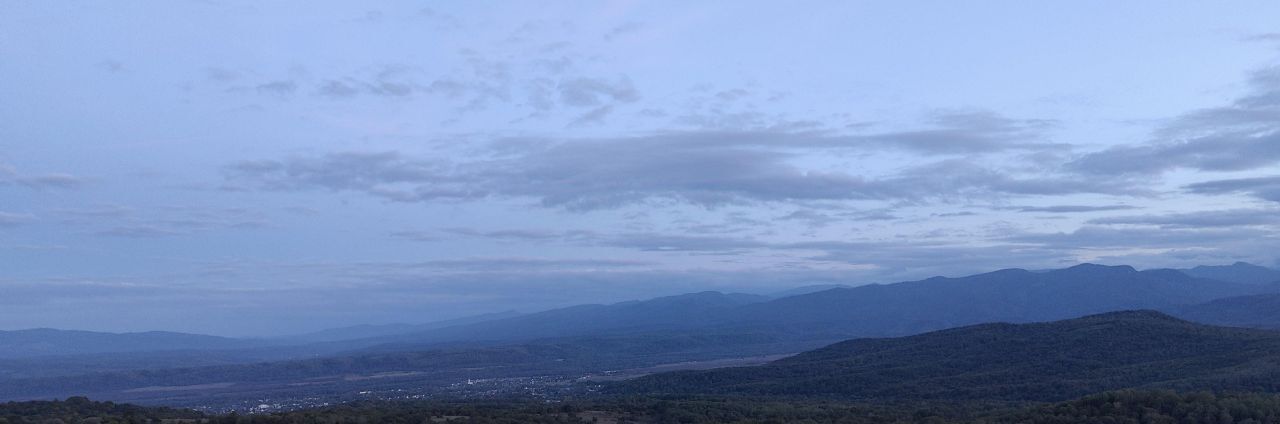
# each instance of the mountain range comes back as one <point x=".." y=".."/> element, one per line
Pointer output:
<point x="596" y="338"/>
<point x="877" y="310"/>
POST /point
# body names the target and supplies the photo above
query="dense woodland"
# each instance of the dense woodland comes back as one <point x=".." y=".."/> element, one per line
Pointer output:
<point x="1120" y="407"/>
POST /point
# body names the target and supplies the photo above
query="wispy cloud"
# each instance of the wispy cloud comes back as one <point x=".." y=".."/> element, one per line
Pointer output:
<point x="11" y="176"/>
<point x="1243" y="135"/>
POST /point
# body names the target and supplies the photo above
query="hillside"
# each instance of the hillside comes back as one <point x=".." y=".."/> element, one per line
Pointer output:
<point x="83" y="410"/>
<point x="1041" y="362"/>
<point x="1126" y="406"/>
<point x="1258" y="311"/>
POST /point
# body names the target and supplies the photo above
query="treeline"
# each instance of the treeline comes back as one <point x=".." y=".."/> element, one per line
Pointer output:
<point x="81" y="410"/>
<point x="1120" y="407"/>
<point x="1156" y="407"/>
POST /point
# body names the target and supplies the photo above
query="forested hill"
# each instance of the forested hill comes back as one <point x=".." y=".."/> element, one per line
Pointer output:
<point x="1258" y="311"/>
<point x="1045" y="362"/>
<point x="83" y="410"/>
<point x="1128" y="406"/>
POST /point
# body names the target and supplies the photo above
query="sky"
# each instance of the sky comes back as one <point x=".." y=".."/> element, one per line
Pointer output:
<point x="253" y="168"/>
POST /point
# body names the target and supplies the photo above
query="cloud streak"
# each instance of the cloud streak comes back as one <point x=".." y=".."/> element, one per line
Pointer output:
<point x="1244" y="135"/>
<point x="701" y="168"/>
<point x="10" y="176"/>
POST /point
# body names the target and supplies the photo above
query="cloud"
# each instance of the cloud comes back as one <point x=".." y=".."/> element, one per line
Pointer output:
<point x="162" y="221"/>
<point x="970" y="131"/>
<point x="1073" y="208"/>
<point x="892" y="261"/>
<point x="809" y="218"/>
<point x="338" y="89"/>
<point x="1100" y="237"/>
<point x="593" y="92"/>
<point x="221" y="75"/>
<point x="1244" y="135"/>
<point x="9" y="219"/>
<point x="1206" y="219"/>
<point x="101" y="211"/>
<point x="1271" y="37"/>
<point x="623" y="30"/>
<point x="278" y="87"/>
<point x="396" y="81"/>
<point x="138" y="231"/>
<point x="1266" y="188"/>
<point x="489" y="265"/>
<point x="818" y="219"/>
<point x="10" y="176"/>
<point x="524" y="235"/>
<point x="594" y="116"/>
<point x="653" y="242"/>
<point x="385" y="174"/>
<point x="703" y="168"/>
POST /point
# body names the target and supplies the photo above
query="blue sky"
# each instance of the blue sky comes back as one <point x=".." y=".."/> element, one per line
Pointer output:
<point x="251" y="168"/>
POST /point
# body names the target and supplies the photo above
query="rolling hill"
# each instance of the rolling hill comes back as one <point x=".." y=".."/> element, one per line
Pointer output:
<point x="1021" y="362"/>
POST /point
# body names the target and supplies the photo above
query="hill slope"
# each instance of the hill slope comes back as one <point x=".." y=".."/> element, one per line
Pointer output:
<point x="1044" y="362"/>
<point x="1258" y="311"/>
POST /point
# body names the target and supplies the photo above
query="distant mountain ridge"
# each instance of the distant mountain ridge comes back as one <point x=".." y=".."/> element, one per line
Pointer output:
<point x="695" y="326"/>
<point x="1041" y="362"/>
<point x="1010" y="295"/>
<point x="668" y="313"/>
<point x="830" y="313"/>
<point x="46" y="341"/>
<point x="365" y="331"/>
<point x="1239" y="272"/>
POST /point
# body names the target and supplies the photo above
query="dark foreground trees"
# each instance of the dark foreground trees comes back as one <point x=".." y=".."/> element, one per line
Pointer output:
<point x="1120" y="407"/>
